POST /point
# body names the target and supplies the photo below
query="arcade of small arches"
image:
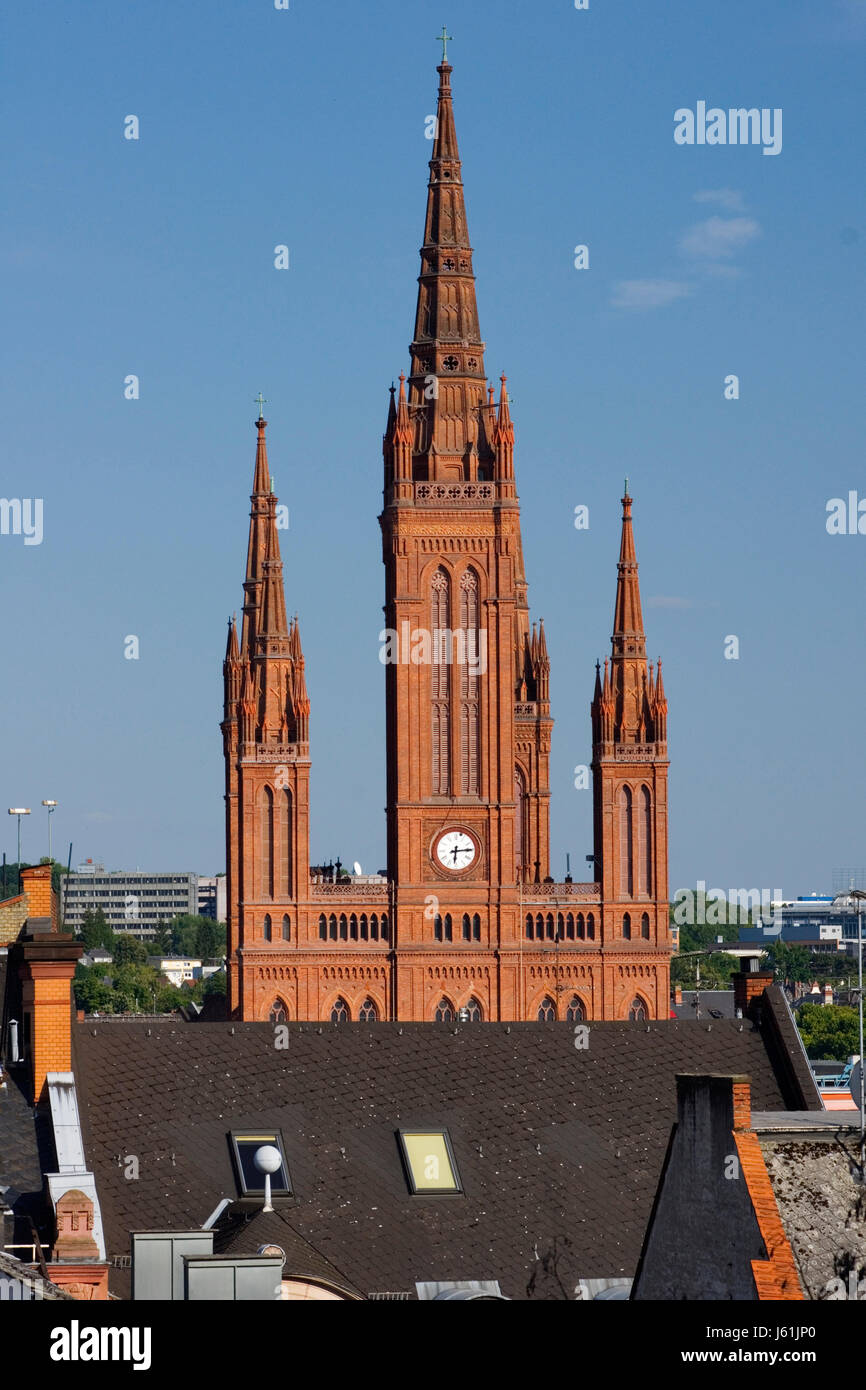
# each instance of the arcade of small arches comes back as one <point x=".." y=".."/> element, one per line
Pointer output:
<point x="562" y="926"/>
<point x="353" y="927"/>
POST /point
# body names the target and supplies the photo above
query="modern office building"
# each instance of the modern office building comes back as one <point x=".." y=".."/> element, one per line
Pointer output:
<point x="136" y="903"/>
<point x="212" y="897"/>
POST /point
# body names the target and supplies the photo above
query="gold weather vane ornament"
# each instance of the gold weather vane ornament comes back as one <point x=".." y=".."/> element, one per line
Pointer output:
<point x="260" y="402"/>
<point x="444" y="38"/>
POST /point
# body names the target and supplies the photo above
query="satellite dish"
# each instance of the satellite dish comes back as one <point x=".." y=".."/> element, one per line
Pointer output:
<point x="356" y="867"/>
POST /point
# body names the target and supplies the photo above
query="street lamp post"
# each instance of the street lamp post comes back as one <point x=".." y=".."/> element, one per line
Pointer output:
<point x="52" y="806"/>
<point x="19" y="811"/>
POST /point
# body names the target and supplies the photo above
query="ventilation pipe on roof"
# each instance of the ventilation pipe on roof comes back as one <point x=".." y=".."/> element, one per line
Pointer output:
<point x="14" y="1055"/>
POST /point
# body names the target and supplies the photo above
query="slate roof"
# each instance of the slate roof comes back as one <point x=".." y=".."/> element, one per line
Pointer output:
<point x="241" y="1233"/>
<point x="719" y="1000"/>
<point x="559" y="1149"/>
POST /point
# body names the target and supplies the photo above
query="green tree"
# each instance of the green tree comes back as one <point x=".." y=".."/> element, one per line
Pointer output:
<point x="135" y="985"/>
<point x="128" y="950"/>
<point x="91" y="992"/>
<point x="207" y="938"/>
<point x="162" y="940"/>
<point x="95" y="930"/>
<point x="189" y="932"/>
<point x="169" y="998"/>
<point x="214" y="984"/>
<point x="9" y="880"/>
<point x="829" y="1031"/>
<point x="791" y="964"/>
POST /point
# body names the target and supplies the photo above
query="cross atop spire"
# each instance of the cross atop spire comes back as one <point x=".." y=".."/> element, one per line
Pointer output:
<point x="260" y="402"/>
<point x="444" y="39"/>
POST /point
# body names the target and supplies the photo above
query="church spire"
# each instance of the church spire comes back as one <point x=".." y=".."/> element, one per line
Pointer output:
<point x="260" y="506"/>
<point x="447" y="346"/>
<point x="628" y="633"/>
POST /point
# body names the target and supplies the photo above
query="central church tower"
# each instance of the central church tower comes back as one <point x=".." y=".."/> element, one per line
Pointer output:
<point x="468" y="722"/>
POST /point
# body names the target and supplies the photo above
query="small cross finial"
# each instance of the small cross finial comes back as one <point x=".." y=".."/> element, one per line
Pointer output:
<point x="260" y="402"/>
<point x="444" y="38"/>
<point x="626" y="487"/>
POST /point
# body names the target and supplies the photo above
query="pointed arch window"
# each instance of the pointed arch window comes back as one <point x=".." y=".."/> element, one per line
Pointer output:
<point x="468" y="656"/>
<point x="529" y="926"/>
<point x="471" y="1012"/>
<point x="440" y="691"/>
<point x="547" y="1010"/>
<point x="644" y="843"/>
<point x="340" y="1011"/>
<point x="332" y="928"/>
<point x="368" y="1012"/>
<point x="476" y="927"/>
<point x="323" y="927"/>
<point x="287" y="927"/>
<point x="384" y="926"/>
<point x="539" y="927"/>
<point x="344" y="927"/>
<point x="444" y="1012"/>
<point x="265" y="814"/>
<point x="575" y="1013"/>
<point x="374" y="927"/>
<point x="638" y="1011"/>
<point x="626" y="842"/>
<point x="590" y="927"/>
<point x="267" y="927"/>
<point x="364" y="932"/>
<point x="467" y="927"/>
<point x="645" y="926"/>
<point x="284" y="878"/>
<point x="279" y="1013"/>
<point x="550" y="926"/>
<point x="448" y="926"/>
<point x="521" y="856"/>
<point x="626" y="926"/>
<point x="353" y="927"/>
<point x="437" y="927"/>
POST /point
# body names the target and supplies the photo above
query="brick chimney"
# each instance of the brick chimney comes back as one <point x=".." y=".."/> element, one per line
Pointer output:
<point x="45" y="960"/>
<point x="749" y="985"/>
<point x="41" y="900"/>
<point x="678" y="994"/>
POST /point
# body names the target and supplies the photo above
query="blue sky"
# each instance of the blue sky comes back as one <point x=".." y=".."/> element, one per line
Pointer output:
<point x="306" y="127"/>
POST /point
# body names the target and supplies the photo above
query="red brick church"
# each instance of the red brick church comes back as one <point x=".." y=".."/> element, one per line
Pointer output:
<point x="468" y="921"/>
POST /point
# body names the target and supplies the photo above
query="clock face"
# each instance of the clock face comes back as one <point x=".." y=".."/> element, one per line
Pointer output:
<point x="456" y="850"/>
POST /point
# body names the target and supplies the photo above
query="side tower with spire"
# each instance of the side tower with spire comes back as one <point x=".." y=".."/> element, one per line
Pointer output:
<point x="265" y="731"/>
<point x="630" y="803"/>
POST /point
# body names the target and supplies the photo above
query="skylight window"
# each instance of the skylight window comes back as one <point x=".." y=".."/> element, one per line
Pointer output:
<point x="429" y="1162"/>
<point x="251" y="1180"/>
